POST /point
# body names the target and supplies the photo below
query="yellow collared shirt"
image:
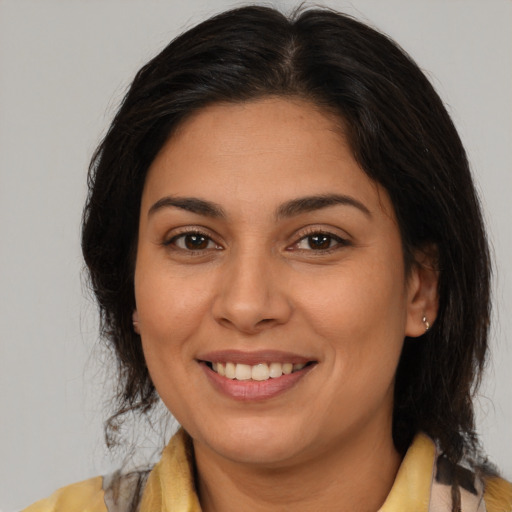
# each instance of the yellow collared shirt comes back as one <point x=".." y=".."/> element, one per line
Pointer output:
<point x="169" y="487"/>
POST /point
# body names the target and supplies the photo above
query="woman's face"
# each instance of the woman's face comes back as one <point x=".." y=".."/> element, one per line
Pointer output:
<point x="263" y="249"/>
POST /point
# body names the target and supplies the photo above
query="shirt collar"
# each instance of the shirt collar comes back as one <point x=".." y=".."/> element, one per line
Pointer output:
<point x="171" y="486"/>
<point x="413" y="482"/>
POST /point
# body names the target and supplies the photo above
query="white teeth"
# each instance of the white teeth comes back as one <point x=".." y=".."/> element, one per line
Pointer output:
<point x="287" y="368"/>
<point x="243" y="372"/>
<point x="259" y="372"/>
<point x="275" y="370"/>
<point x="230" y="371"/>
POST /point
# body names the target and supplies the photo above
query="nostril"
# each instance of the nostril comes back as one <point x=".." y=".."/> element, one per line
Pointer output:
<point x="246" y="325"/>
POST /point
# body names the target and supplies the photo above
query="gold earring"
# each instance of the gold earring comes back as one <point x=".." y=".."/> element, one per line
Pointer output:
<point x="426" y="322"/>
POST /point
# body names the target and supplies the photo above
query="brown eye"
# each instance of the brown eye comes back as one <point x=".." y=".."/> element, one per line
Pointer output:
<point x="192" y="242"/>
<point x="319" y="241"/>
<point x="195" y="242"/>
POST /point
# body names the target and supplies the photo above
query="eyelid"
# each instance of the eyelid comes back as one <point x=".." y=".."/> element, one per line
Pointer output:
<point x="174" y="234"/>
<point x="342" y="240"/>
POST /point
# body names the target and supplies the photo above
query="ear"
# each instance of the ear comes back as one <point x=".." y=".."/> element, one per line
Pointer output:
<point x="135" y="320"/>
<point x="422" y="296"/>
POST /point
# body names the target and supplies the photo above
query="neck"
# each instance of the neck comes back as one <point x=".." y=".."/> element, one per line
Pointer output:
<point x="357" y="475"/>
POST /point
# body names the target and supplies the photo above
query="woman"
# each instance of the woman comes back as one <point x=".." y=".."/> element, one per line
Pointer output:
<point x="286" y="246"/>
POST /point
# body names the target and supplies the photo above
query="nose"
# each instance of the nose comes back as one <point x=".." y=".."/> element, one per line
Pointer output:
<point x="252" y="295"/>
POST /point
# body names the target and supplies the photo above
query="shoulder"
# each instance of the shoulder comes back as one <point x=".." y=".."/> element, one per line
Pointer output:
<point x="171" y="480"/>
<point x="116" y="492"/>
<point x="87" y="495"/>
<point x="479" y="490"/>
<point x="498" y="494"/>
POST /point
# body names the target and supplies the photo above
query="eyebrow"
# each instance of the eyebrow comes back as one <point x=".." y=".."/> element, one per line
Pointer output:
<point x="286" y="210"/>
<point x="318" y="202"/>
<point x="190" y="204"/>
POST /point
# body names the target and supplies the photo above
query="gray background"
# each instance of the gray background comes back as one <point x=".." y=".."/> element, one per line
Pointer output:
<point x="64" y="66"/>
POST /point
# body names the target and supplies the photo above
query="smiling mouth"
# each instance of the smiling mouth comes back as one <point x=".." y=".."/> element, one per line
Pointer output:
<point x="258" y="372"/>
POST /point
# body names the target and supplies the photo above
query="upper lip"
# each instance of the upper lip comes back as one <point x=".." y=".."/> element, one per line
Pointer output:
<point x="253" y="357"/>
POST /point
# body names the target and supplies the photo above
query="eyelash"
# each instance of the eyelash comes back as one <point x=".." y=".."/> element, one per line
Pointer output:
<point x="171" y="242"/>
<point x="338" y="241"/>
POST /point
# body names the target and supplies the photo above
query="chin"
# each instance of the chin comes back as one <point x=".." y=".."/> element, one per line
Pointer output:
<point x="254" y="442"/>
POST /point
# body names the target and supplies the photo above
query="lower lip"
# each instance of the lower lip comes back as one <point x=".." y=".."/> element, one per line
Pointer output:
<point x="252" y="390"/>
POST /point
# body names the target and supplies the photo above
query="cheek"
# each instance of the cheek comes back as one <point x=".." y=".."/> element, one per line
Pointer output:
<point x="170" y="308"/>
<point x="362" y="323"/>
<point x="361" y="315"/>
<point x="356" y="301"/>
<point x="162" y="294"/>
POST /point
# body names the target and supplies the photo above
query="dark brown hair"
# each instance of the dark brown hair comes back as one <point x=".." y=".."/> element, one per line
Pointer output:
<point x="400" y="134"/>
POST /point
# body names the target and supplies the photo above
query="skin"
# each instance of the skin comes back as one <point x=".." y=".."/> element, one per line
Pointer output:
<point x="259" y="282"/>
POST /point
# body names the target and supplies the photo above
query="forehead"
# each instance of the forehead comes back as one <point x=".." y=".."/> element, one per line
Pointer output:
<point x="259" y="152"/>
<point x="261" y="126"/>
